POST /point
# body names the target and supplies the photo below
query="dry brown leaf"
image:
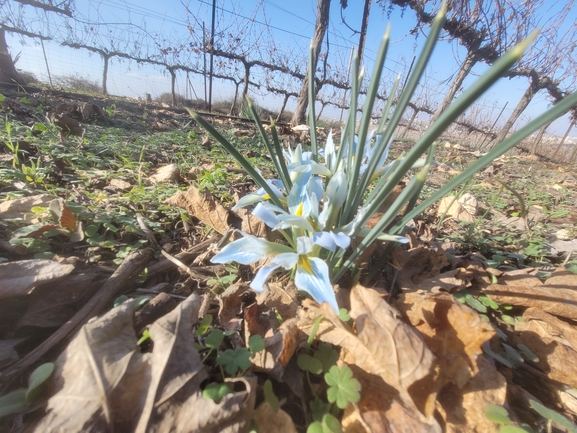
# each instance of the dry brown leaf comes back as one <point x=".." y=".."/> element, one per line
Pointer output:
<point x="450" y="281"/>
<point x="552" y="299"/>
<point x="167" y="173"/>
<point x="453" y="331"/>
<point x="553" y="341"/>
<point x="398" y="353"/>
<point x="382" y="409"/>
<point x="231" y="307"/>
<point x="389" y="351"/>
<point x="256" y="227"/>
<point x="16" y="208"/>
<point x="417" y="265"/>
<point x="281" y="297"/>
<point x="20" y="277"/>
<point x="279" y="348"/>
<point x="464" y="409"/>
<point x="269" y="421"/>
<point x="8" y="354"/>
<point x="52" y="305"/>
<point x="88" y="373"/>
<point x="450" y="207"/>
<point x="206" y="208"/>
<point x="105" y="383"/>
<point x="562" y="278"/>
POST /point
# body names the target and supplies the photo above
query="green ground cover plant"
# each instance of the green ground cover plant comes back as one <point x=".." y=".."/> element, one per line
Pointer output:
<point x="103" y="209"/>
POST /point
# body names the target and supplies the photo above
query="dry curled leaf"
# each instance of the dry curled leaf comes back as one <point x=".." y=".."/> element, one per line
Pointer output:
<point x="464" y="409"/>
<point x="560" y="301"/>
<point x="19" y="278"/>
<point x="270" y="421"/>
<point x="553" y="341"/>
<point x="453" y="331"/>
<point x="105" y="383"/>
<point x="391" y="353"/>
<point x="206" y="208"/>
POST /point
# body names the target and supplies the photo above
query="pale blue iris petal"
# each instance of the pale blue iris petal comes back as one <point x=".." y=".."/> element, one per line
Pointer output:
<point x="250" y="199"/>
<point x="350" y="228"/>
<point x="246" y="251"/>
<point x="314" y="206"/>
<point x="307" y="156"/>
<point x="266" y="215"/>
<point x="286" y="260"/>
<point x="291" y="221"/>
<point x="304" y="245"/>
<point x="259" y="195"/>
<point x="384" y="236"/>
<point x="278" y="183"/>
<point x="274" y="208"/>
<point x="331" y="240"/>
<point x="325" y="214"/>
<point x="299" y="194"/>
<point x="316" y="282"/>
<point x="262" y="276"/>
<point x="325" y="240"/>
<point x="315" y="186"/>
<point x="329" y="153"/>
<point x="337" y="189"/>
<point x="298" y="167"/>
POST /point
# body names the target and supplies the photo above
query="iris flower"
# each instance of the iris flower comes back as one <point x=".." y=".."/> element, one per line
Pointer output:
<point x="311" y="273"/>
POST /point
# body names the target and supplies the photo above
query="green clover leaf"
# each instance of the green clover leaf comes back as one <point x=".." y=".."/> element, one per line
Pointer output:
<point x="270" y="397"/>
<point x="343" y="387"/>
<point x="214" y="339"/>
<point x="310" y="364"/>
<point x="497" y="414"/>
<point x="318" y="409"/>
<point x="326" y="355"/>
<point x="216" y="391"/>
<point x="233" y="360"/>
<point x="255" y="343"/>
<point x="329" y="424"/>
<point x="204" y="324"/>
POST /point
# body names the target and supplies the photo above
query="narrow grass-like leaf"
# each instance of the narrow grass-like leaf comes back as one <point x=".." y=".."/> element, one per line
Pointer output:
<point x="523" y="212"/>
<point x="404" y="99"/>
<point x="274" y="152"/>
<point x="557" y="110"/>
<point x="554" y="416"/>
<point x="256" y="176"/>
<point x="349" y="137"/>
<point x="312" y="98"/>
<point x="369" y="103"/>
<point x="497" y="413"/>
<point x="450" y="114"/>
<point x="284" y="174"/>
<point x="384" y="221"/>
<point x="390" y="100"/>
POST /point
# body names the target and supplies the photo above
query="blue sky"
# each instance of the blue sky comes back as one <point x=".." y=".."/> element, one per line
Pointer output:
<point x="291" y="25"/>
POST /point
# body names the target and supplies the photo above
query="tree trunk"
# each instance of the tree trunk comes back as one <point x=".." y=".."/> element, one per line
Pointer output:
<point x="246" y="81"/>
<point x="284" y="102"/>
<point x="172" y="86"/>
<point x="466" y="67"/>
<point x="539" y="138"/>
<point x="364" y="25"/>
<point x="521" y="105"/>
<point x="562" y="142"/>
<point x="411" y="120"/>
<point x="8" y="72"/>
<point x="105" y="75"/>
<point x="323" y="8"/>
<point x="233" y="109"/>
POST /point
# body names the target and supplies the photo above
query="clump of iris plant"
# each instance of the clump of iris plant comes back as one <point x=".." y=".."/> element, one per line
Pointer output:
<point x="321" y="199"/>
